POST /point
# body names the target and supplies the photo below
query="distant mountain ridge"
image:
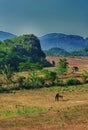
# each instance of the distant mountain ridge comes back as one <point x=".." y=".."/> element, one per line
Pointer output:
<point x="56" y="52"/>
<point x="81" y="52"/>
<point x="6" y="35"/>
<point x="86" y="41"/>
<point x="67" y="42"/>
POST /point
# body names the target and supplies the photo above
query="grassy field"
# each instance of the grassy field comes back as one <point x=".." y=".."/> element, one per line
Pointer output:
<point x="38" y="110"/>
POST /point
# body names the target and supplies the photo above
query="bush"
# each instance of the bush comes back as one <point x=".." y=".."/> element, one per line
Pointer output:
<point x="72" y="81"/>
<point x="58" y="82"/>
<point x="62" y="66"/>
<point x="84" y="76"/>
<point x="21" y="82"/>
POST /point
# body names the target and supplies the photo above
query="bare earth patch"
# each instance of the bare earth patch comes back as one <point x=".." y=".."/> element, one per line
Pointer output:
<point x="81" y="62"/>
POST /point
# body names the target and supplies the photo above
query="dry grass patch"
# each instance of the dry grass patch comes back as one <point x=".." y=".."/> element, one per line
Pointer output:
<point x="57" y="115"/>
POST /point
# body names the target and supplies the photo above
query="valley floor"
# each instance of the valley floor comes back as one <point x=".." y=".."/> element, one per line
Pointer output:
<point x="71" y="113"/>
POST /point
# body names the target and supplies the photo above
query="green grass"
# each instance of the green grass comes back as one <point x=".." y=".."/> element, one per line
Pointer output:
<point x="79" y="88"/>
<point x="20" y="107"/>
<point x="18" y="111"/>
<point x="75" y="115"/>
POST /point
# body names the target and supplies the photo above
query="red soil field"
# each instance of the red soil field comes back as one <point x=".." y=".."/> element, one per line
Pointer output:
<point x="81" y="62"/>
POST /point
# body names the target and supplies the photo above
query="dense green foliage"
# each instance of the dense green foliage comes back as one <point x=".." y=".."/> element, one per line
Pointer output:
<point x="24" y="66"/>
<point x="72" y="81"/>
<point x="51" y="77"/>
<point x="84" y="76"/>
<point x="62" y="66"/>
<point x="36" y="77"/>
<point x="25" y="48"/>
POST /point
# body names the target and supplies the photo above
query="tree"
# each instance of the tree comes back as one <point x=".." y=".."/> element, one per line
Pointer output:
<point x="51" y="76"/>
<point x="35" y="80"/>
<point x="23" y="66"/>
<point x="84" y="76"/>
<point x="62" y="66"/>
<point x="7" y="73"/>
<point x="14" y="58"/>
<point x="53" y="63"/>
<point x="35" y="66"/>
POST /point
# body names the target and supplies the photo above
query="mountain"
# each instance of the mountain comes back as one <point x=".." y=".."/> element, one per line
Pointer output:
<point x="81" y="52"/>
<point x="56" y="52"/>
<point x="67" y="42"/>
<point x="6" y="35"/>
<point x="86" y="41"/>
<point x="22" y="49"/>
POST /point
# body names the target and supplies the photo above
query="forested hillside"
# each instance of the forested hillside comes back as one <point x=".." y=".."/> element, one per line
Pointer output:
<point x="69" y="43"/>
<point x="25" y="48"/>
<point x="56" y="51"/>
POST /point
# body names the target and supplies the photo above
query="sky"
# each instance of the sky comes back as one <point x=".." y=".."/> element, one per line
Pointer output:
<point x="41" y="17"/>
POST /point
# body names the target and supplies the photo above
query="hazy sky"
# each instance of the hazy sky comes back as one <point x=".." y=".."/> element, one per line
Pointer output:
<point x="44" y="16"/>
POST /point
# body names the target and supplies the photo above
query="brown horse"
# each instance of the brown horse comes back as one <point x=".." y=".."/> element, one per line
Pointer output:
<point x="57" y="96"/>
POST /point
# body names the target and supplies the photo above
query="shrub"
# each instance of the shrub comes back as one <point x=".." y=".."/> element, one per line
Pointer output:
<point x="84" y="76"/>
<point x="21" y="81"/>
<point x="72" y="81"/>
<point x="62" y="66"/>
<point x="34" y="81"/>
<point x="58" y="82"/>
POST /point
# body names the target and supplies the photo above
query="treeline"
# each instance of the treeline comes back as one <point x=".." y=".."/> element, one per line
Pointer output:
<point x="38" y="78"/>
<point x="61" y="52"/>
